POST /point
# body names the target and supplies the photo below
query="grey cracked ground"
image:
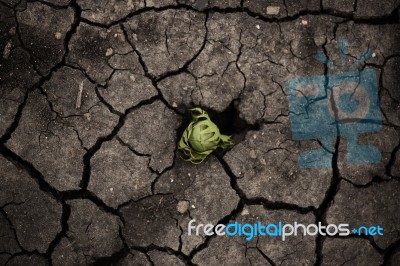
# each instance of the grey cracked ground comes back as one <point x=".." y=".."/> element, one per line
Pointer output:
<point x="94" y="93"/>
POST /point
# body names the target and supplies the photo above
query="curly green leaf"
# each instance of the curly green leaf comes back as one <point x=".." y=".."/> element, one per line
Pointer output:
<point x="202" y="137"/>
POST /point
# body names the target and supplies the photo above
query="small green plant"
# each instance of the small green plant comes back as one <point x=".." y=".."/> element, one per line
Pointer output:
<point x="202" y="137"/>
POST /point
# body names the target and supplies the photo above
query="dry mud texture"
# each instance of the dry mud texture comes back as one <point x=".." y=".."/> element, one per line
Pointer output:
<point x="93" y="95"/>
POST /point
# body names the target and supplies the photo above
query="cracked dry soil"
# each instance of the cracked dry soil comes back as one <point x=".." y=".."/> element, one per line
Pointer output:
<point x="93" y="95"/>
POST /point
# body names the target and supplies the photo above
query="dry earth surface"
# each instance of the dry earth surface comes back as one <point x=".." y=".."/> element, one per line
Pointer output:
<point x="94" y="95"/>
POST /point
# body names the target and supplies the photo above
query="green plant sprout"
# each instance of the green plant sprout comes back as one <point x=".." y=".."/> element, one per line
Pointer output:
<point x="202" y="137"/>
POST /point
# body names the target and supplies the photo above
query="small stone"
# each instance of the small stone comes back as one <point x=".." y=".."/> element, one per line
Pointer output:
<point x="132" y="78"/>
<point x="273" y="10"/>
<point x="7" y="50"/>
<point x="245" y="212"/>
<point x="109" y="51"/>
<point x="193" y="207"/>
<point x="258" y="26"/>
<point x="119" y="36"/>
<point x="174" y="105"/>
<point x="253" y="154"/>
<point x="58" y="35"/>
<point x="88" y="116"/>
<point x="182" y="206"/>
<point x="373" y="54"/>
<point x="304" y="22"/>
